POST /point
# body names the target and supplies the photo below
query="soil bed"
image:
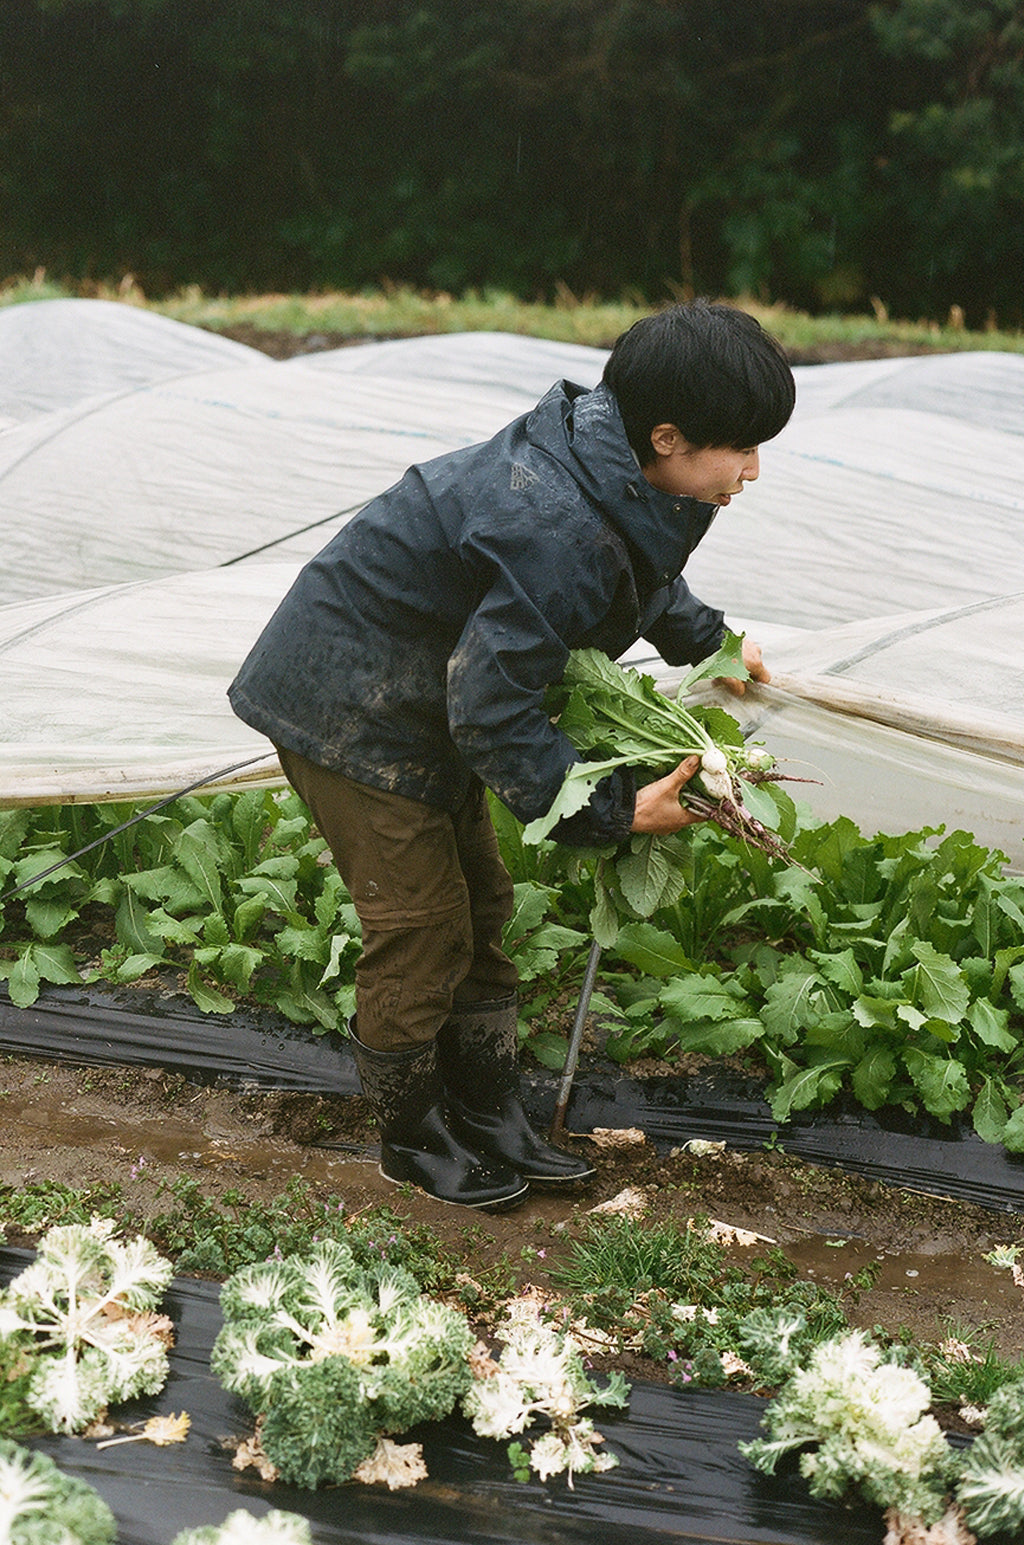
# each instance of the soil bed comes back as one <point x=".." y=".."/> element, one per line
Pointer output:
<point x="148" y="1130"/>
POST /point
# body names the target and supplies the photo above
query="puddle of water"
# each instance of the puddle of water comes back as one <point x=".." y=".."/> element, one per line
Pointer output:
<point x="169" y="1138"/>
<point x="41" y="1117"/>
<point x="832" y="1262"/>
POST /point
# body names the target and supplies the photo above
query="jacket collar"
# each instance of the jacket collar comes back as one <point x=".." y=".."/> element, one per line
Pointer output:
<point x="584" y="431"/>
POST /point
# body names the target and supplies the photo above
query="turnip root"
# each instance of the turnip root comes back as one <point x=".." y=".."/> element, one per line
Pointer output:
<point x="714" y="773"/>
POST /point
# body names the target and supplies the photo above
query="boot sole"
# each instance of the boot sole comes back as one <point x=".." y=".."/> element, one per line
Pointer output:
<point x="500" y="1204"/>
<point x="557" y="1182"/>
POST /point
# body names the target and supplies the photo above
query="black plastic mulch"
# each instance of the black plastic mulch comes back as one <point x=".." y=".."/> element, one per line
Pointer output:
<point x="680" y="1476"/>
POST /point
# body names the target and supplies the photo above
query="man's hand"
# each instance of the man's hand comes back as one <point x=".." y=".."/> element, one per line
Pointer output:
<point x="755" y="665"/>
<point x="658" y="809"/>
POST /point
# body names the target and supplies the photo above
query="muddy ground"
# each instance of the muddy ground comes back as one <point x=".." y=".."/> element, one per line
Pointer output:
<point x="147" y="1129"/>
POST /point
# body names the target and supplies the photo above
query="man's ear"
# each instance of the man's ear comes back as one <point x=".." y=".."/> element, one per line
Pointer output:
<point x="665" y="438"/>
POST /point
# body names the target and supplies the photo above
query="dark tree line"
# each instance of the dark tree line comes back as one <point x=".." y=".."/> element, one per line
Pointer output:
<point x="819" y="152"/>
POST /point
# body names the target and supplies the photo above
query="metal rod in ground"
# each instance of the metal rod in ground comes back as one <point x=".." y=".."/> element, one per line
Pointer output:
<point x="573" y="1054"/>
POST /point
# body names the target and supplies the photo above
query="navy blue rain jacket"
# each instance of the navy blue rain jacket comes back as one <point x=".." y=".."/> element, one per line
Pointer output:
<point x="413" y="653"/>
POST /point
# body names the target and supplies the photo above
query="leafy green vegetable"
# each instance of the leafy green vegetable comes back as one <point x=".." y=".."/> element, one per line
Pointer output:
<point x="82" y="1316"/>
<point x="332" y="1356"/>
<point x="230" y="890"/>
<point x="40" y="1505"/>
<point x="860" y="972"/>
<point x="616" y="717"/>
<point x="888" y="968"/>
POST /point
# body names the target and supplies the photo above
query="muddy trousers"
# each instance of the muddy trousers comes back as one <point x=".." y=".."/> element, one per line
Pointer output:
<point x="434" y="1037"/>
<point x="431" y="893"/>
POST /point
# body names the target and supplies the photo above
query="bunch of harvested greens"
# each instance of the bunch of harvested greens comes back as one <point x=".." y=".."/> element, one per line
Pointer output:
<point x="616" y="717"/>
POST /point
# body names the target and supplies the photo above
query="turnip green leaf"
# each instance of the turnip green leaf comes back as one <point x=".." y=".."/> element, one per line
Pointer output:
<point x="989" y="1113"/>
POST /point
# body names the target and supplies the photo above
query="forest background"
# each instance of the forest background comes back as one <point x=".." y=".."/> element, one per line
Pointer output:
<point x="831" y="155"/>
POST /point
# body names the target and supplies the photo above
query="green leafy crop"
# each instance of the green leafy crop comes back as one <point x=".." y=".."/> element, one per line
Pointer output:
<point x="230" y="891"/>
<point x="40" y="1505"/>
<point x="887" y="969"/>
<point x="82" y="1317"/>
<point x="333" y="1356"/>
<point x="616" y="717"/>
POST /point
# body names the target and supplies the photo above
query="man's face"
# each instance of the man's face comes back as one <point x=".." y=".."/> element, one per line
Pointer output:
<point x="712" y="473"/>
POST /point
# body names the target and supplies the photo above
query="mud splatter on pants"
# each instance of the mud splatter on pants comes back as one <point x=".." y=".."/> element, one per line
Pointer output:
<point x="432" y="895"/>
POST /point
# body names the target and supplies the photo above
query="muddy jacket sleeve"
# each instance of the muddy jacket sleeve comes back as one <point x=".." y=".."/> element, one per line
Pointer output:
<point x="687" y="630"/>
<point x="512" y="647"/>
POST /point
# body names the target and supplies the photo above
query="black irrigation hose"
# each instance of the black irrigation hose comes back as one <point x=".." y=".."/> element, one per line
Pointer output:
<point x="140" y="815"/>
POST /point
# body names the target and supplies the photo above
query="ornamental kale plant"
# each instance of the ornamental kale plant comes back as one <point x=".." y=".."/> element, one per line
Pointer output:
<point x="858" y="1418"/>
<point x="991" y="1486"/>
<point x="40" y="1505"/>
<point x="241" y="1528"/>
<point x="332" y="1357"/>
<point x="540" y="1372"/>
<point x="859" y="1423"/>
<point x="83" y="1317"/>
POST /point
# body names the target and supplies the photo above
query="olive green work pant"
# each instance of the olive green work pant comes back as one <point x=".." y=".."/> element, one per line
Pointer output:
<point x="431" y="893"/>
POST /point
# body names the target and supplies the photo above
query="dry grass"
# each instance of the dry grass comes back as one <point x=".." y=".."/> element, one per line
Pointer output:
<point x="399" y="311"/>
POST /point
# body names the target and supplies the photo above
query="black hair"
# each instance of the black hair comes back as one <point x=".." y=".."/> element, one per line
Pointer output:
<point x="709" y="369"/>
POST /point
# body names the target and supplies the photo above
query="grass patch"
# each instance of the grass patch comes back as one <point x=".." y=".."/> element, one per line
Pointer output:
<point x="676" y="1293"/>
<point x="399" y="311"/>
<point x="214" y="1237"/>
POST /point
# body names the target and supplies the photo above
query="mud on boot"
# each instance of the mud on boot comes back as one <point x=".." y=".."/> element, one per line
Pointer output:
<point x="404" y="1091"/>
<point x="478" y="1055"/>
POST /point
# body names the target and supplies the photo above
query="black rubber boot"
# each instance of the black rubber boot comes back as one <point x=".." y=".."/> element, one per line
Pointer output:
<point x="478" y="1054"/>
<point x="403" y="1089"/>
